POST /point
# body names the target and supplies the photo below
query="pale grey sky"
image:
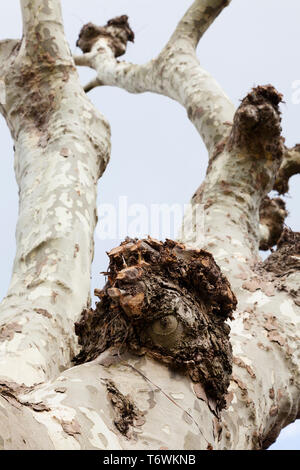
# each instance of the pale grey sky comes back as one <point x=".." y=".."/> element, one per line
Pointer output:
<point x="157" y="156"/>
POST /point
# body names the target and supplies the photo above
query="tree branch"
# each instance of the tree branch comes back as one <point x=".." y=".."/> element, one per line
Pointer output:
<point x="182" y="78"/>
<point x="238" y="178"/>
<point x="175" y="73"/>
<point x="38" y="18"/>
<point x="62" y="147"/>
<point x="197" y="20"/>
<point x="92" y="84"/>
<point x="289" y="167"/>
<point x="101" y="47"/>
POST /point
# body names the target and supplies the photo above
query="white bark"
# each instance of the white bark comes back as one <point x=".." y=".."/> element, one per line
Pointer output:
<point x="62" y="147"/>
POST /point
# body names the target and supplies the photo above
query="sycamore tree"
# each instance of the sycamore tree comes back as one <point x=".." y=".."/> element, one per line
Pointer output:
<point x="193" y="343"/>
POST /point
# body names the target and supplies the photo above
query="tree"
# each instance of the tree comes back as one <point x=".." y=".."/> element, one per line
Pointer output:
<point x="129" y="395"/>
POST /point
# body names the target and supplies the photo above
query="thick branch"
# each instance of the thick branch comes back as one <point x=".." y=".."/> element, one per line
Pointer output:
<point x="289" y="167"/>
<point x="130" y="77"/>
<point x="40" y="16"/>
<point x="35" y="12"/>
<point x="197" y="20"/>
<point x="238" y="178"/>
<point x="62" y="145"/>
<point x="61" y="149"/>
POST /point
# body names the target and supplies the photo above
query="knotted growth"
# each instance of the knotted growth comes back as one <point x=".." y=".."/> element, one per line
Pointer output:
<point x="117" y="32"/>
<point x="169" y="302"/>
<point x="257" y="124"/>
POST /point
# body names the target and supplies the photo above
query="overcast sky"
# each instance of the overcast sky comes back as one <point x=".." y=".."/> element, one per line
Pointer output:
<point x="157" y="156"/>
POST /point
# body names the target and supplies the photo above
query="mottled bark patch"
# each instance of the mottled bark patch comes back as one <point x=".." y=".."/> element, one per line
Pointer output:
<point x="10" y="391"/>
<point x="219" y="148"/>
<point x="127" y="415"/>
<point x="71" y="427"/>
<point x="38" y="407"/>
<point x="43" y="312"/>
<point x="239" y="362"/>
<point x="39" y="97"/>
<point x="32" y="81"/>
<point x="7" y="332"/>
<point x="168" y="302"/>
<point x="117" y="32"/>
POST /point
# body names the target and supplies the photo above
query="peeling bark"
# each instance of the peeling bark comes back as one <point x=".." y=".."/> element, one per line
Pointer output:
<point x="169" y="303"/>
<point x="127" y="415"/>
<point x="286" y="259"/>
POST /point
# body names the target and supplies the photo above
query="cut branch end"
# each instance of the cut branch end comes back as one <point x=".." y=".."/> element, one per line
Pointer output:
<point x="257" y="124"/>
<point x="117" y="31"/>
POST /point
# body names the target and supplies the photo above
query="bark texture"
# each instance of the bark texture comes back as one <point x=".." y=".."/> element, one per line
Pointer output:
<point x="162" y="351"/>
<point x="169" y="303"/>
<point x="272" y="214"/>
<point x="61" y="149"/>
<point x="290" y="166"/>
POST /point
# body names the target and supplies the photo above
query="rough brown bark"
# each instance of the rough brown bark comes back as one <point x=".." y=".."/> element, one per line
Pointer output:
<point x="168" y="302"/>
<point x="117" y="31"/>
<point x="285" y="260"/>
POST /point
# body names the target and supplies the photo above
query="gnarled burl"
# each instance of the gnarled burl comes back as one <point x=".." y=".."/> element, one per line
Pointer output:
<point x="169" y="302"/>
<point x="117" y="31"/>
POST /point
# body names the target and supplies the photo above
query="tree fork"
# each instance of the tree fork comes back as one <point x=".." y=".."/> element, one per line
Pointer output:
<point x="129" y="396"/>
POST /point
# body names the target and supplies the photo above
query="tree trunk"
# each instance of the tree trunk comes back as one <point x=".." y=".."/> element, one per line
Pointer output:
<point x="132" y="389"/>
